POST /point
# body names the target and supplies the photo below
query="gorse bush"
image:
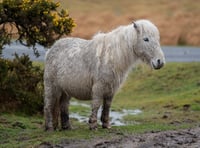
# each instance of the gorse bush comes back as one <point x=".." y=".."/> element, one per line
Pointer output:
<point x="33" y="21"/>
<point x="30" y="22"/>
<point x="21" y="85"/>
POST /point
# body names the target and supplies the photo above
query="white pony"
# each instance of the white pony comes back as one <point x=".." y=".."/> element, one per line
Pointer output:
<point x="94" y="69"/>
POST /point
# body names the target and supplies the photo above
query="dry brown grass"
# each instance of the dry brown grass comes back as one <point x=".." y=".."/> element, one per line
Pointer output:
<point x="178" y="21"/>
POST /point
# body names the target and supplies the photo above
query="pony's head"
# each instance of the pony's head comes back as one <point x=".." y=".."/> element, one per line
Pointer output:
<point x="148" y="47"/>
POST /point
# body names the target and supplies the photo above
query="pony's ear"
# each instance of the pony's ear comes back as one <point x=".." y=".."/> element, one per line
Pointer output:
<point x="136" y="26"/>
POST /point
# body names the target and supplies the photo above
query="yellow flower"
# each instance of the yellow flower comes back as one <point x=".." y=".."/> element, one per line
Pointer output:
<point x="55" y="22"/>
<point x="45" y="12"/>
<point x="35" y="29"/>
<point x="58" y="4"/>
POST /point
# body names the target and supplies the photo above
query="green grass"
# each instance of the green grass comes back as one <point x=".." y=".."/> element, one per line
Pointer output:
<point x="163" y="92"/>
<point x="176" y="83"/>
<point x="169" y="99"/>
<point x="38" y="63"/>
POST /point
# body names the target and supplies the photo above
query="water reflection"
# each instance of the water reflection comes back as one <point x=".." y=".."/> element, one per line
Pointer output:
<point x="116" y="117"/>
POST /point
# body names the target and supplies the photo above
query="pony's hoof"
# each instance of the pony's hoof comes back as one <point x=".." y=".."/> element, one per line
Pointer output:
<point x="49" y="129"/>
<point x="106" y="126"/>
<point x="93" y="127"/>
<point x="68" y="127"/>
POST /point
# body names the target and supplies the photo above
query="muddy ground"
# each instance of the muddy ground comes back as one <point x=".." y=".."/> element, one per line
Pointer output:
<point x="187" y="138"/>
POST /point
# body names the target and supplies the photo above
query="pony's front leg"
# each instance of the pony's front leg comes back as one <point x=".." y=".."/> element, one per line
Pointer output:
<point x="96" y="102"/>
<point x="105" y="112"/>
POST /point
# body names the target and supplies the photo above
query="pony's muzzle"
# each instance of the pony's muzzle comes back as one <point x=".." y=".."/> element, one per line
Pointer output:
<point x="157" y="64"/>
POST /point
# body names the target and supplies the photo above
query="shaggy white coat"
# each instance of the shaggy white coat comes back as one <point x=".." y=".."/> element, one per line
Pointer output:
<point x="94" y="69"/>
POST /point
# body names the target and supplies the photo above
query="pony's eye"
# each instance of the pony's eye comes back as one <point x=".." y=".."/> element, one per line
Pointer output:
<point x="146" y="39"/>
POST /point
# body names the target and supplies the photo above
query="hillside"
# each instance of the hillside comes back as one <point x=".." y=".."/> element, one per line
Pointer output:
<point x="178" y="21"/>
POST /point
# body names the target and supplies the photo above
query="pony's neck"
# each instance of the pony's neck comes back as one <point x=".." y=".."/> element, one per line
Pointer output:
<point x="122" y="44"/>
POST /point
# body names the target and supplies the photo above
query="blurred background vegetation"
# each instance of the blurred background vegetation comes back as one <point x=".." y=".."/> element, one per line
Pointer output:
<point x="33" y="21"/>
<point x="178" y="21"/>
<point x="30" y="22"/>
<point x="21" y="86"/>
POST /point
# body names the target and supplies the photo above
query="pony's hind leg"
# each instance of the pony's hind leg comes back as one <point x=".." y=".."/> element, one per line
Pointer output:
<point x="64" y="111"/>
<point x="48" y="110"/>
<point x="50" y="107"/>
<point x="56" y="113"/>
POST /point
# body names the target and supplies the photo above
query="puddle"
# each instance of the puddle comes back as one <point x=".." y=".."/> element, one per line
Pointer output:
<point x="116" y="118"/>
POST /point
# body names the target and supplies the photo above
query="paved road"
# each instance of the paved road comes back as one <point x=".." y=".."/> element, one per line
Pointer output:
<point x="181" y="53"/>
<point x="172" y="53"/>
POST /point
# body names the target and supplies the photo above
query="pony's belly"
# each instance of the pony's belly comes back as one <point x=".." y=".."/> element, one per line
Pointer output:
<point x="80" y="93"/>
<point x="78" y="86"/>
<point x="80" y="90"/>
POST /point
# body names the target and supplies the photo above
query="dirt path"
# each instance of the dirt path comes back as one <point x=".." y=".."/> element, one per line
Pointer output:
<point x="189" y="138"/>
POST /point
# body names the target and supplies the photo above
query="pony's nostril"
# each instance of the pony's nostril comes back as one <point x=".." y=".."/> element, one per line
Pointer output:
<point x="158" y="61"/>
